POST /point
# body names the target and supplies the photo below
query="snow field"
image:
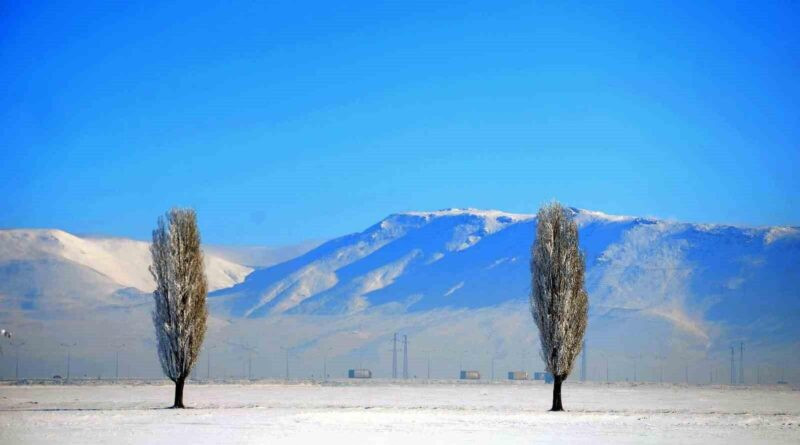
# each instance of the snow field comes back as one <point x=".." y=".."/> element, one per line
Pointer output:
<point x="385" y="412"/>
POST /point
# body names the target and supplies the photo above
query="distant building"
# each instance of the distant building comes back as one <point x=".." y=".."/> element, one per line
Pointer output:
<point x="518" y="375"/>
<point x="359" y="374"/>
<point x="470" y="375"/>
<point x="546" y="376"/>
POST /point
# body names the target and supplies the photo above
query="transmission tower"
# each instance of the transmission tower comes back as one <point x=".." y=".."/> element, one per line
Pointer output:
<point x="394" y="356"/>
<point x="405" y="356"/>
<point x="741" y="363"/>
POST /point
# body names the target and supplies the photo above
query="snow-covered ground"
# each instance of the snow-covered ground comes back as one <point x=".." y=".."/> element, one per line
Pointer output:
<point x="413" y="413"/>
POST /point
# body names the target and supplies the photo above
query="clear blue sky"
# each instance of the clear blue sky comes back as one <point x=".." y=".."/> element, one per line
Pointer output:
<point x="308" y="120"/>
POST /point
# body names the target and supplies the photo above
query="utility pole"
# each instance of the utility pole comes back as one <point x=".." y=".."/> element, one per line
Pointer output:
<point x="394" y="356"/>
<point x="492" y="367"/>
<point x="732" y="373"/>
<point x="208" y="361"/>
<point x="325" y="364"/>
<point x="583" y="362"/>
<point x="741" y="363"/>
<point x="687" y="373"/>
<point x="17" y="346"/>
<point x="429" y="365"/>
<point x="69" y="355"/>
<point x="405" y="356"/>
<point x="116" y="360"/>
<point x="287" y="362"/>
<point x="247" y="366"/>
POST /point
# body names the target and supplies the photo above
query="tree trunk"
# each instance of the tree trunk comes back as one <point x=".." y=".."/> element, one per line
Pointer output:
<point x="179" y="392"/>
<point x="557" y="393"/>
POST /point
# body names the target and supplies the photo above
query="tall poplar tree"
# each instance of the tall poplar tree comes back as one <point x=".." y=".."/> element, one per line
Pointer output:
<point x="180" y="312"/>
<point x="559" y="303"/>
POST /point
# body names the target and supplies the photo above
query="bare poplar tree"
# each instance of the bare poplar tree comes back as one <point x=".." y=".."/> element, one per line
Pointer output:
<point x="180" y="310"/>
<point x="559" y="303"/>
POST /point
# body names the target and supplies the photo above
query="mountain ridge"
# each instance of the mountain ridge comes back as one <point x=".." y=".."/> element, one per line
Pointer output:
<point x="471" y="258"/>
<point x="454" y="279"/>
<point x="122" y="260"/>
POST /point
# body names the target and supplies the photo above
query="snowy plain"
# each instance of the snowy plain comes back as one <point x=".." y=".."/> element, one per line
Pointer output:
<point x="398" y="412"/>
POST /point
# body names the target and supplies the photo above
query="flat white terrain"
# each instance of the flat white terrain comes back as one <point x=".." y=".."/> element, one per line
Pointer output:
<point x="402" y="413"/>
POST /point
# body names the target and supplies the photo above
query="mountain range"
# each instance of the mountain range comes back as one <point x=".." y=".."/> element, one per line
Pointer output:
<point x="654" y="285"/>
<point x="692" y="275"/>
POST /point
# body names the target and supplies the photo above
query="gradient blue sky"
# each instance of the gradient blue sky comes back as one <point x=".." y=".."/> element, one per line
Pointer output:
<point x="308" y="120"/>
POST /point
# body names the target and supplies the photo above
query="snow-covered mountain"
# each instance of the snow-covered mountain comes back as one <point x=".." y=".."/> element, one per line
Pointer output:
<point x="691" y="276"/>
<point x="664" y="293"/>
<point x="43" y="268"/>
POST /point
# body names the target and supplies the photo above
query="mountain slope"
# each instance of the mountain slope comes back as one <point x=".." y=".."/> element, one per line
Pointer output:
<point x="454" y="257"/>
<point x="345" y="269"/>
<point x="61" y="268"/>
<point x="691" y="276"/>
